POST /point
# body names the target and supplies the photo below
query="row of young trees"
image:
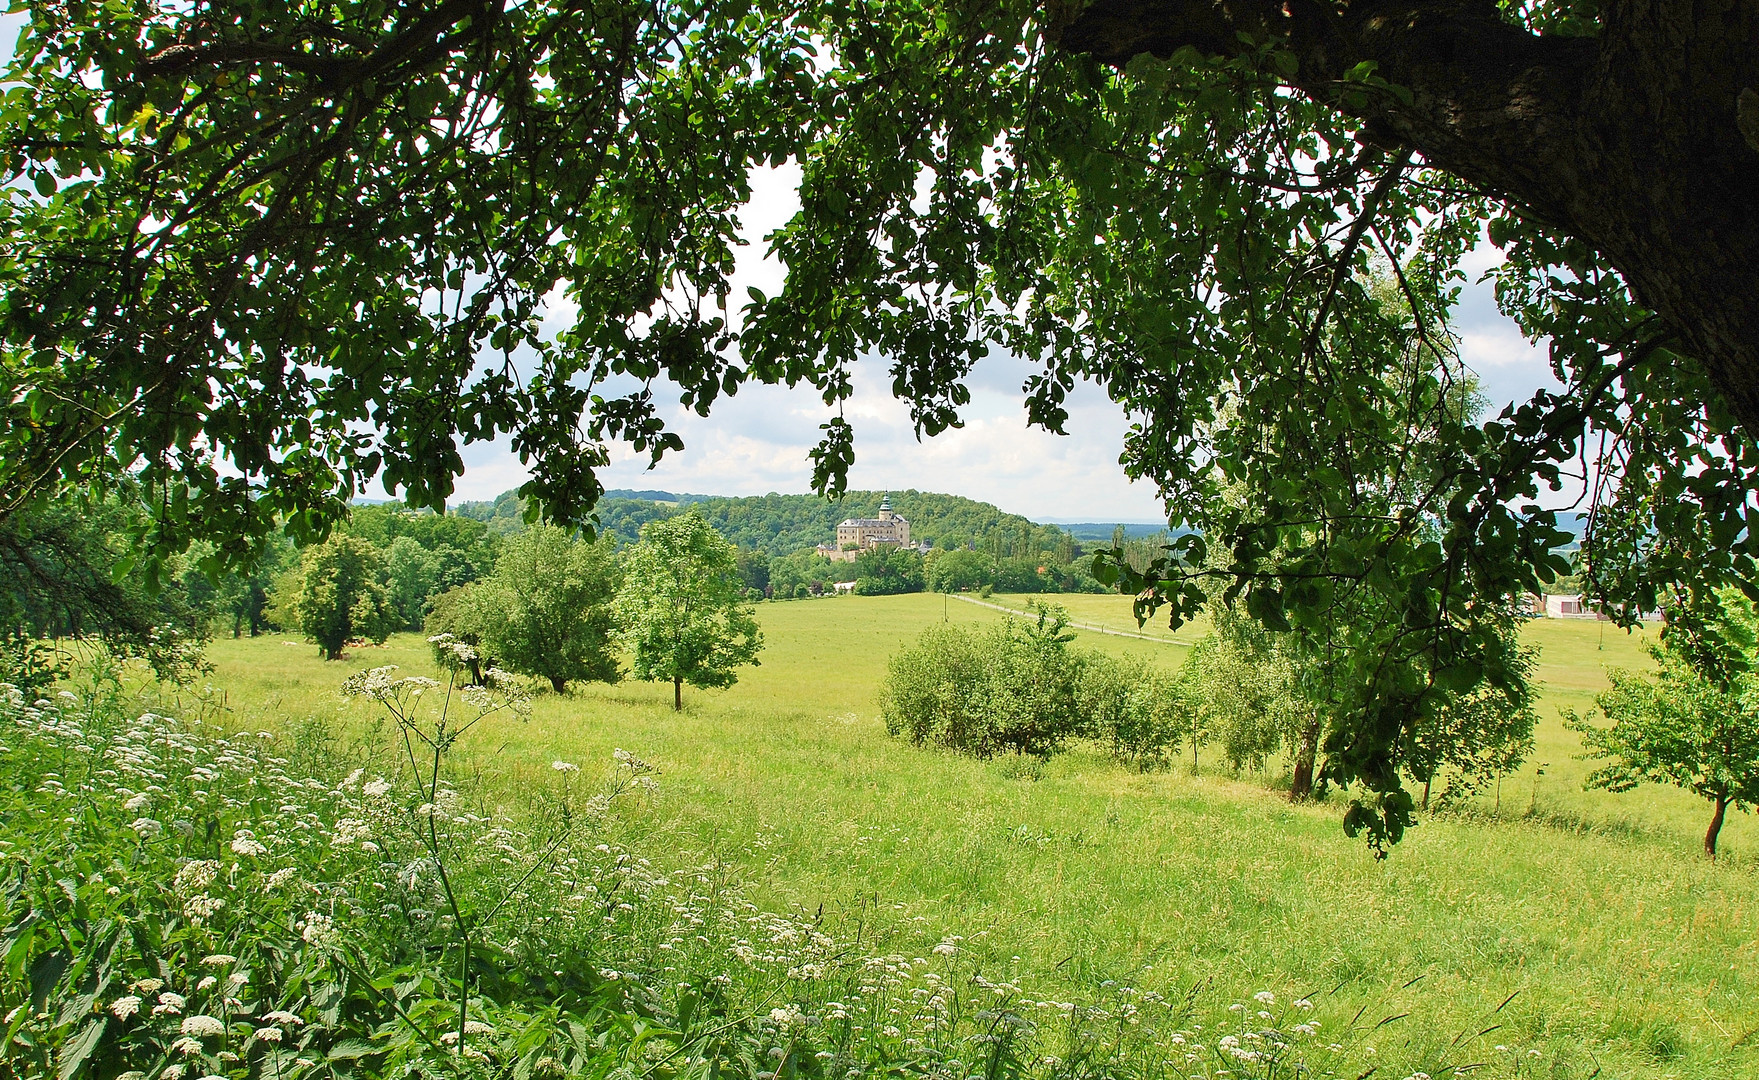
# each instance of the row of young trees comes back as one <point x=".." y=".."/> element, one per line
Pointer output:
<point x="553" y="606"/>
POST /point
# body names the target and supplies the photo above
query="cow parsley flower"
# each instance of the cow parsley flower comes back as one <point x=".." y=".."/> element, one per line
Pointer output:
<point x="203" y="1027"/>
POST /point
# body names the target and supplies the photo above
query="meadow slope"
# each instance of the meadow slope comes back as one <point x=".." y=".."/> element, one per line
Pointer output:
<point x="1624" y="951"/>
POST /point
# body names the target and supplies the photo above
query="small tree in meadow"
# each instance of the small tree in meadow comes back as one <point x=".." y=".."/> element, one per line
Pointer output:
<point x="340" y="595"/>
<point x="1473" y="737"/>
<point x="1695" y="722"/>
<point x="546" y="609"/>
<point x="411" y="572"/>
<point x="457" y="617"/>
<point x="679" y="608"/>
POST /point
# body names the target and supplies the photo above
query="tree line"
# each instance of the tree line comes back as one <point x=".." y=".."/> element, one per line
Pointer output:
<point x="545" y="602"/>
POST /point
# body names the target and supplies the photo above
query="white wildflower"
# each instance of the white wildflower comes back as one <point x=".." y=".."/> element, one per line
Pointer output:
<point x="282" y="1016"/>
<point x="376" y="788"/>
<point x="138" y="803"/>
<point x="203" y="1026"/>
<point x="245" y="845"/>
<point x="318" y="929"/>
<point x="146" y="828"/>
<point x="124" y="1007"/>
<point x="202" y="907"/>
<point x="219" y="960"/>
<point x="1304" y="1005"/>
<point x="170" y="1004"/>
<point x="173" y="1072"/>
<point x="187" y="1045"/>
<point x="148" y="986"/>
<point x="206" y="983"/>
<point x="477" y="1027"/>
<point x="564" y="766"/>
<point x="194" y="876"/>
<point x="1264" y="997"/>
<point x="268" y="1034"/>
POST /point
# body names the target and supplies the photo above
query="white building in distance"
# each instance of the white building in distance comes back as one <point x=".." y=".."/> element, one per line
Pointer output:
<point x="855" y="535"/>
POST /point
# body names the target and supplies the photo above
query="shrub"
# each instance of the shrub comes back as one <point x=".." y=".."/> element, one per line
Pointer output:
<point x="1137" y="712"/>
<point x="1009" y="688"/>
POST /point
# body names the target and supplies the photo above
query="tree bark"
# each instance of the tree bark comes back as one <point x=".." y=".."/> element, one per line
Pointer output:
<point x="559" y="685"/>
<point x="1710" y="834"/>
<point x="1301" y="784"/>
<point x="677" y="693"/>
<point x="1642" y="141"/>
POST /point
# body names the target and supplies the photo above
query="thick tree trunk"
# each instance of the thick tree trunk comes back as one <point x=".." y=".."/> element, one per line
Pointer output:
<point x="1426" y="783"/>
<point x="1642" y="141"/>
<point x="1301" y="784"/>
<point x="677" y="694"/>
<point x="559" y="685"/>
<point x="1710" y="834"/>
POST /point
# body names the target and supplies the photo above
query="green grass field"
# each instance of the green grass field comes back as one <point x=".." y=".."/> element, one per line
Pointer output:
<point x="1625" y="950"/>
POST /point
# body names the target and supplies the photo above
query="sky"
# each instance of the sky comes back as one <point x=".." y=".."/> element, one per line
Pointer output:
<point x="759" y="441"/>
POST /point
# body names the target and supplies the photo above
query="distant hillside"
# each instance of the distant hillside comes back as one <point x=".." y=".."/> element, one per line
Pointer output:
<point x="780" y="524"/>
<point x="656" y="496"/>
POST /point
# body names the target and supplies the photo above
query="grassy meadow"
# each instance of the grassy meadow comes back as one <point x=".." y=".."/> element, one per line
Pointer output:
<point x="1626" y="954"/>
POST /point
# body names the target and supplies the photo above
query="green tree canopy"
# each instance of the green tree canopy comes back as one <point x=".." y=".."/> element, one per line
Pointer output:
<point x="682" y="620"/>
<point x="546" y="610"/>
<point x="309" y="242"/>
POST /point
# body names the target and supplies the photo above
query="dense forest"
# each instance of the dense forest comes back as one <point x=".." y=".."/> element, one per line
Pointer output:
<point x="782" y="524"/>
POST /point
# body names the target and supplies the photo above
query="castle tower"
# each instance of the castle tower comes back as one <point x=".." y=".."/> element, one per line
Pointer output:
<point x="885" y="510"/>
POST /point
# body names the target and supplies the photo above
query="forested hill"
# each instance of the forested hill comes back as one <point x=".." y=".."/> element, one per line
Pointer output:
<point x="780" y="524"/>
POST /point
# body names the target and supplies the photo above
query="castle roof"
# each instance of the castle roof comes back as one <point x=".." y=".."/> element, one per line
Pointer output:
<point x="870" y="522"/>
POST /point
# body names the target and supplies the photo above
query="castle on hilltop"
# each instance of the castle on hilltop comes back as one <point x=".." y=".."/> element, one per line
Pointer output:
<point x="856" y="535"/>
